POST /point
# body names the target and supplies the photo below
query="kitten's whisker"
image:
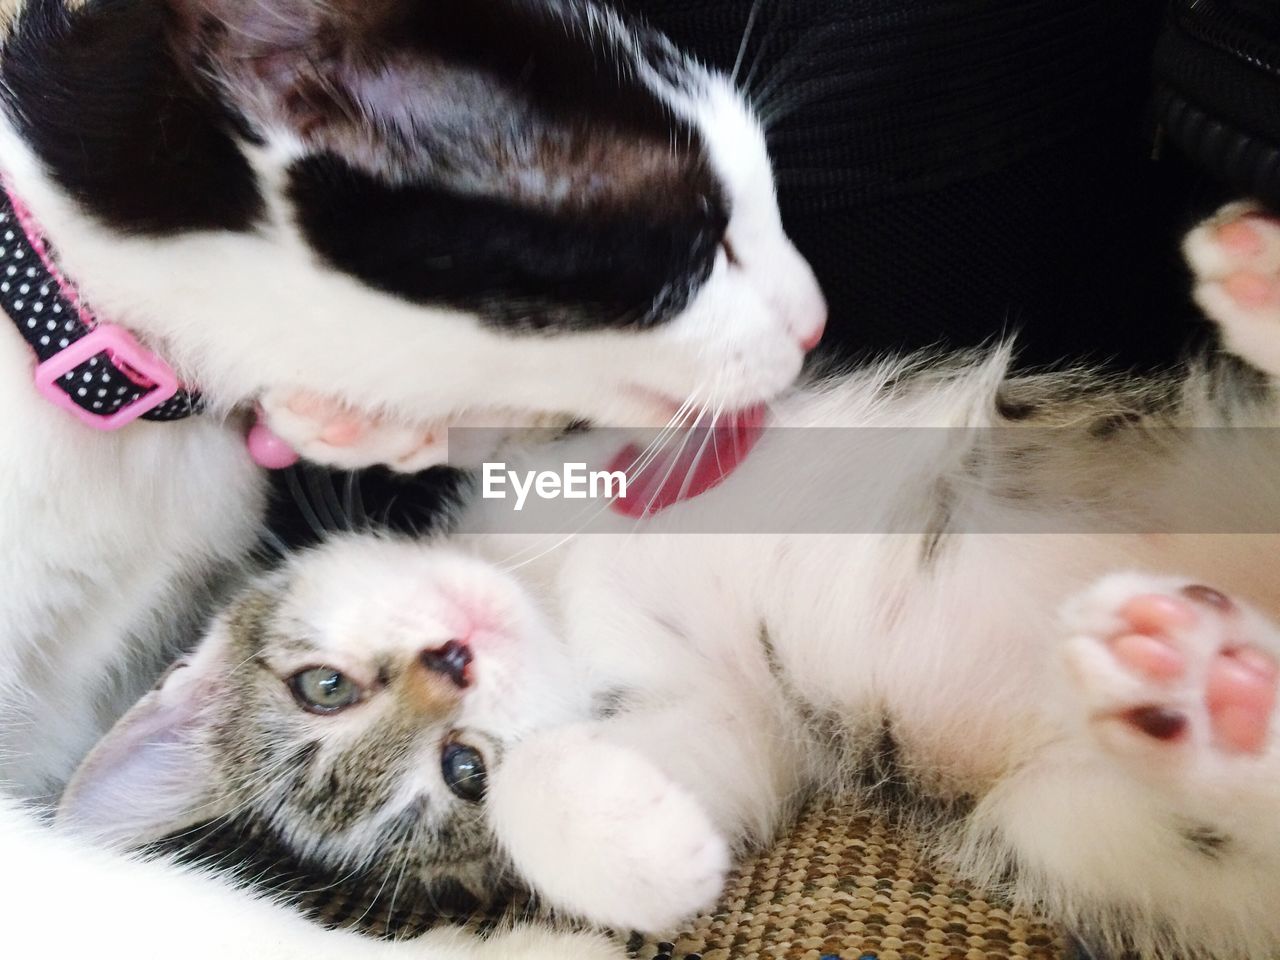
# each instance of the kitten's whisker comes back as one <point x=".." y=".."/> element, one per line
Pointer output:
<point x="337" y="503"/>
<point x="395" y="891"/>
<point x="300" y="499"/>
<point x="272" y="541"/>
<point x="354" y="498"/>
<point x="320" y="481"/>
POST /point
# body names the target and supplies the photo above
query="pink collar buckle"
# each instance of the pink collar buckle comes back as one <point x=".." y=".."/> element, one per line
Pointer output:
<point x="55" y="376"/>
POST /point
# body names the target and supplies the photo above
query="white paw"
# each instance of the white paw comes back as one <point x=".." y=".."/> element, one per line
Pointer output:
<point x="1173" y="671"/>
<point x="1235" y="256"/>
<point x="327" y="432"/>
<point x="599" y="831"/>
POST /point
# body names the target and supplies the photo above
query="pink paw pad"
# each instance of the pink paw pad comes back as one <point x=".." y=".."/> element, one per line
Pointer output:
<point x="1241" y="694"/>
<point x="1239" y="680"/>
<point x="1241" y="238"/>
<point x="1153" y="657"/>
<point x="343" y="430"/>
<point x="339" y="426"/>
<point x="1250" y="289"/>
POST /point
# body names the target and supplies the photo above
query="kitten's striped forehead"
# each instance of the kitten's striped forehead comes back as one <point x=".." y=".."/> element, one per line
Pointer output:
<point x="363" y="788"/>
<point x="344" y="798"/>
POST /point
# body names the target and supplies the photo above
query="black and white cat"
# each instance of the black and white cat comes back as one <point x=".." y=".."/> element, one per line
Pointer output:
<point x="1054" y="648"/>
<point x="468" y="211"/>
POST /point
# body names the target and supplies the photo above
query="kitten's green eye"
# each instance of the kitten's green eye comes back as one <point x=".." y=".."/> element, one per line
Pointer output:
<point x="323" y="690"/>
<point x="464" y="772"/>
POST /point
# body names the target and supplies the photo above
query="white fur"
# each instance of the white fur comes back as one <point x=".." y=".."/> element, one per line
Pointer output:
<point x="752" y="670"/>
<point x="977" y="658"/>
<point x="971" y="662"/>
<point x="994" y="693"/>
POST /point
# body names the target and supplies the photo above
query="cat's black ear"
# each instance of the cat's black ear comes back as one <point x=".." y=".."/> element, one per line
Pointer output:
<point x="154" y="773"/>
<point x="301" y="64"/>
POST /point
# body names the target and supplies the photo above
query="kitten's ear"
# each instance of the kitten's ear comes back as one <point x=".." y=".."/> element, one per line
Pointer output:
<point x="300" y="64"/>
<point x="154" y="773"/>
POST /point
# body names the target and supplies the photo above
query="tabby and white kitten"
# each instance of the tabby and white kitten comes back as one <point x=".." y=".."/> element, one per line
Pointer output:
<point x="428" y="209"/>
<point x="1080" y="718"/>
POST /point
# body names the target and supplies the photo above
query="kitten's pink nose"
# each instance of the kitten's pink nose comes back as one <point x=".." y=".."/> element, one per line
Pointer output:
<point x="453" y="660"/>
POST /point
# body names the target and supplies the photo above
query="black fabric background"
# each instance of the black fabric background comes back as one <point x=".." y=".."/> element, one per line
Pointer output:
<point x="973" y="167"/>
<point x="958" y="170"/>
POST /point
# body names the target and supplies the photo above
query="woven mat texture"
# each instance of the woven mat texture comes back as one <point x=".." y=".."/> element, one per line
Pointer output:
<point x="846" y="884"/>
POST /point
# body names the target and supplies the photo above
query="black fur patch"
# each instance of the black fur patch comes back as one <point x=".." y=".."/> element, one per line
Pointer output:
<point x="938" y="529"/>
<point x="97" y="95"/>
<point x="609" y="703"/>
<point x="542" y="48"/>
<point x="113" y="98"/>
<point x="1011" y="409"/>
<point x="301" y="763"/>
<point x="1104" y="428"/>
<point x="880" y="772"/>
<point x="552" y="53"/>
<point x="1205" y="840"/>
<point x="502" y="157"/>
<point x="389" y="901"/>
<point x="517" y="267"/>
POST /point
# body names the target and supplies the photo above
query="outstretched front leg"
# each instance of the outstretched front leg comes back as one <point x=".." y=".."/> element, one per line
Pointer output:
<point x="602" y="833"/>
<point x="331" y="432"/>
<point x="326" y="431"/>
<point x="629" y="821"/>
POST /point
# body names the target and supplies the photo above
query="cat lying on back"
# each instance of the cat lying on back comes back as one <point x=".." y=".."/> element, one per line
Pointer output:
<point x="1083" y="720"/>
<point x="430" y="209"/>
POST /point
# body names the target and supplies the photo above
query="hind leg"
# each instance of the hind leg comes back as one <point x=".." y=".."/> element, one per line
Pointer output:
<point x="1174" y="675"/>
<point x="1235" y="258"/>
<point x="1152" y="815"/>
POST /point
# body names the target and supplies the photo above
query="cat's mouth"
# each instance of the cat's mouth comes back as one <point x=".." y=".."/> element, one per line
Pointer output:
<point x="687" y="464"/>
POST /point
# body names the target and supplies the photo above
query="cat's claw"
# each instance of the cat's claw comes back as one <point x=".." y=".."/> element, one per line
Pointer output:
<point x="599" y="831"/>
<point x="326" y="431"/>
<point x="1167" y="666"/>
<point x="1235" y="258"/>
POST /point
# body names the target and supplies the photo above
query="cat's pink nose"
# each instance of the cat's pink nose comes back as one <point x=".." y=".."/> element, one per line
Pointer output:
<point x="803" y="307"/>
<point x="453" y="660"/>
<point x="814" y="336"/>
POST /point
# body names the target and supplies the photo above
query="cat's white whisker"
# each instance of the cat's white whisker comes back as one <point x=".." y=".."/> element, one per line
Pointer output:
<point x="678" y="421"/>
<point x="752" y="14"/>
<point x="763" y="48"/>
